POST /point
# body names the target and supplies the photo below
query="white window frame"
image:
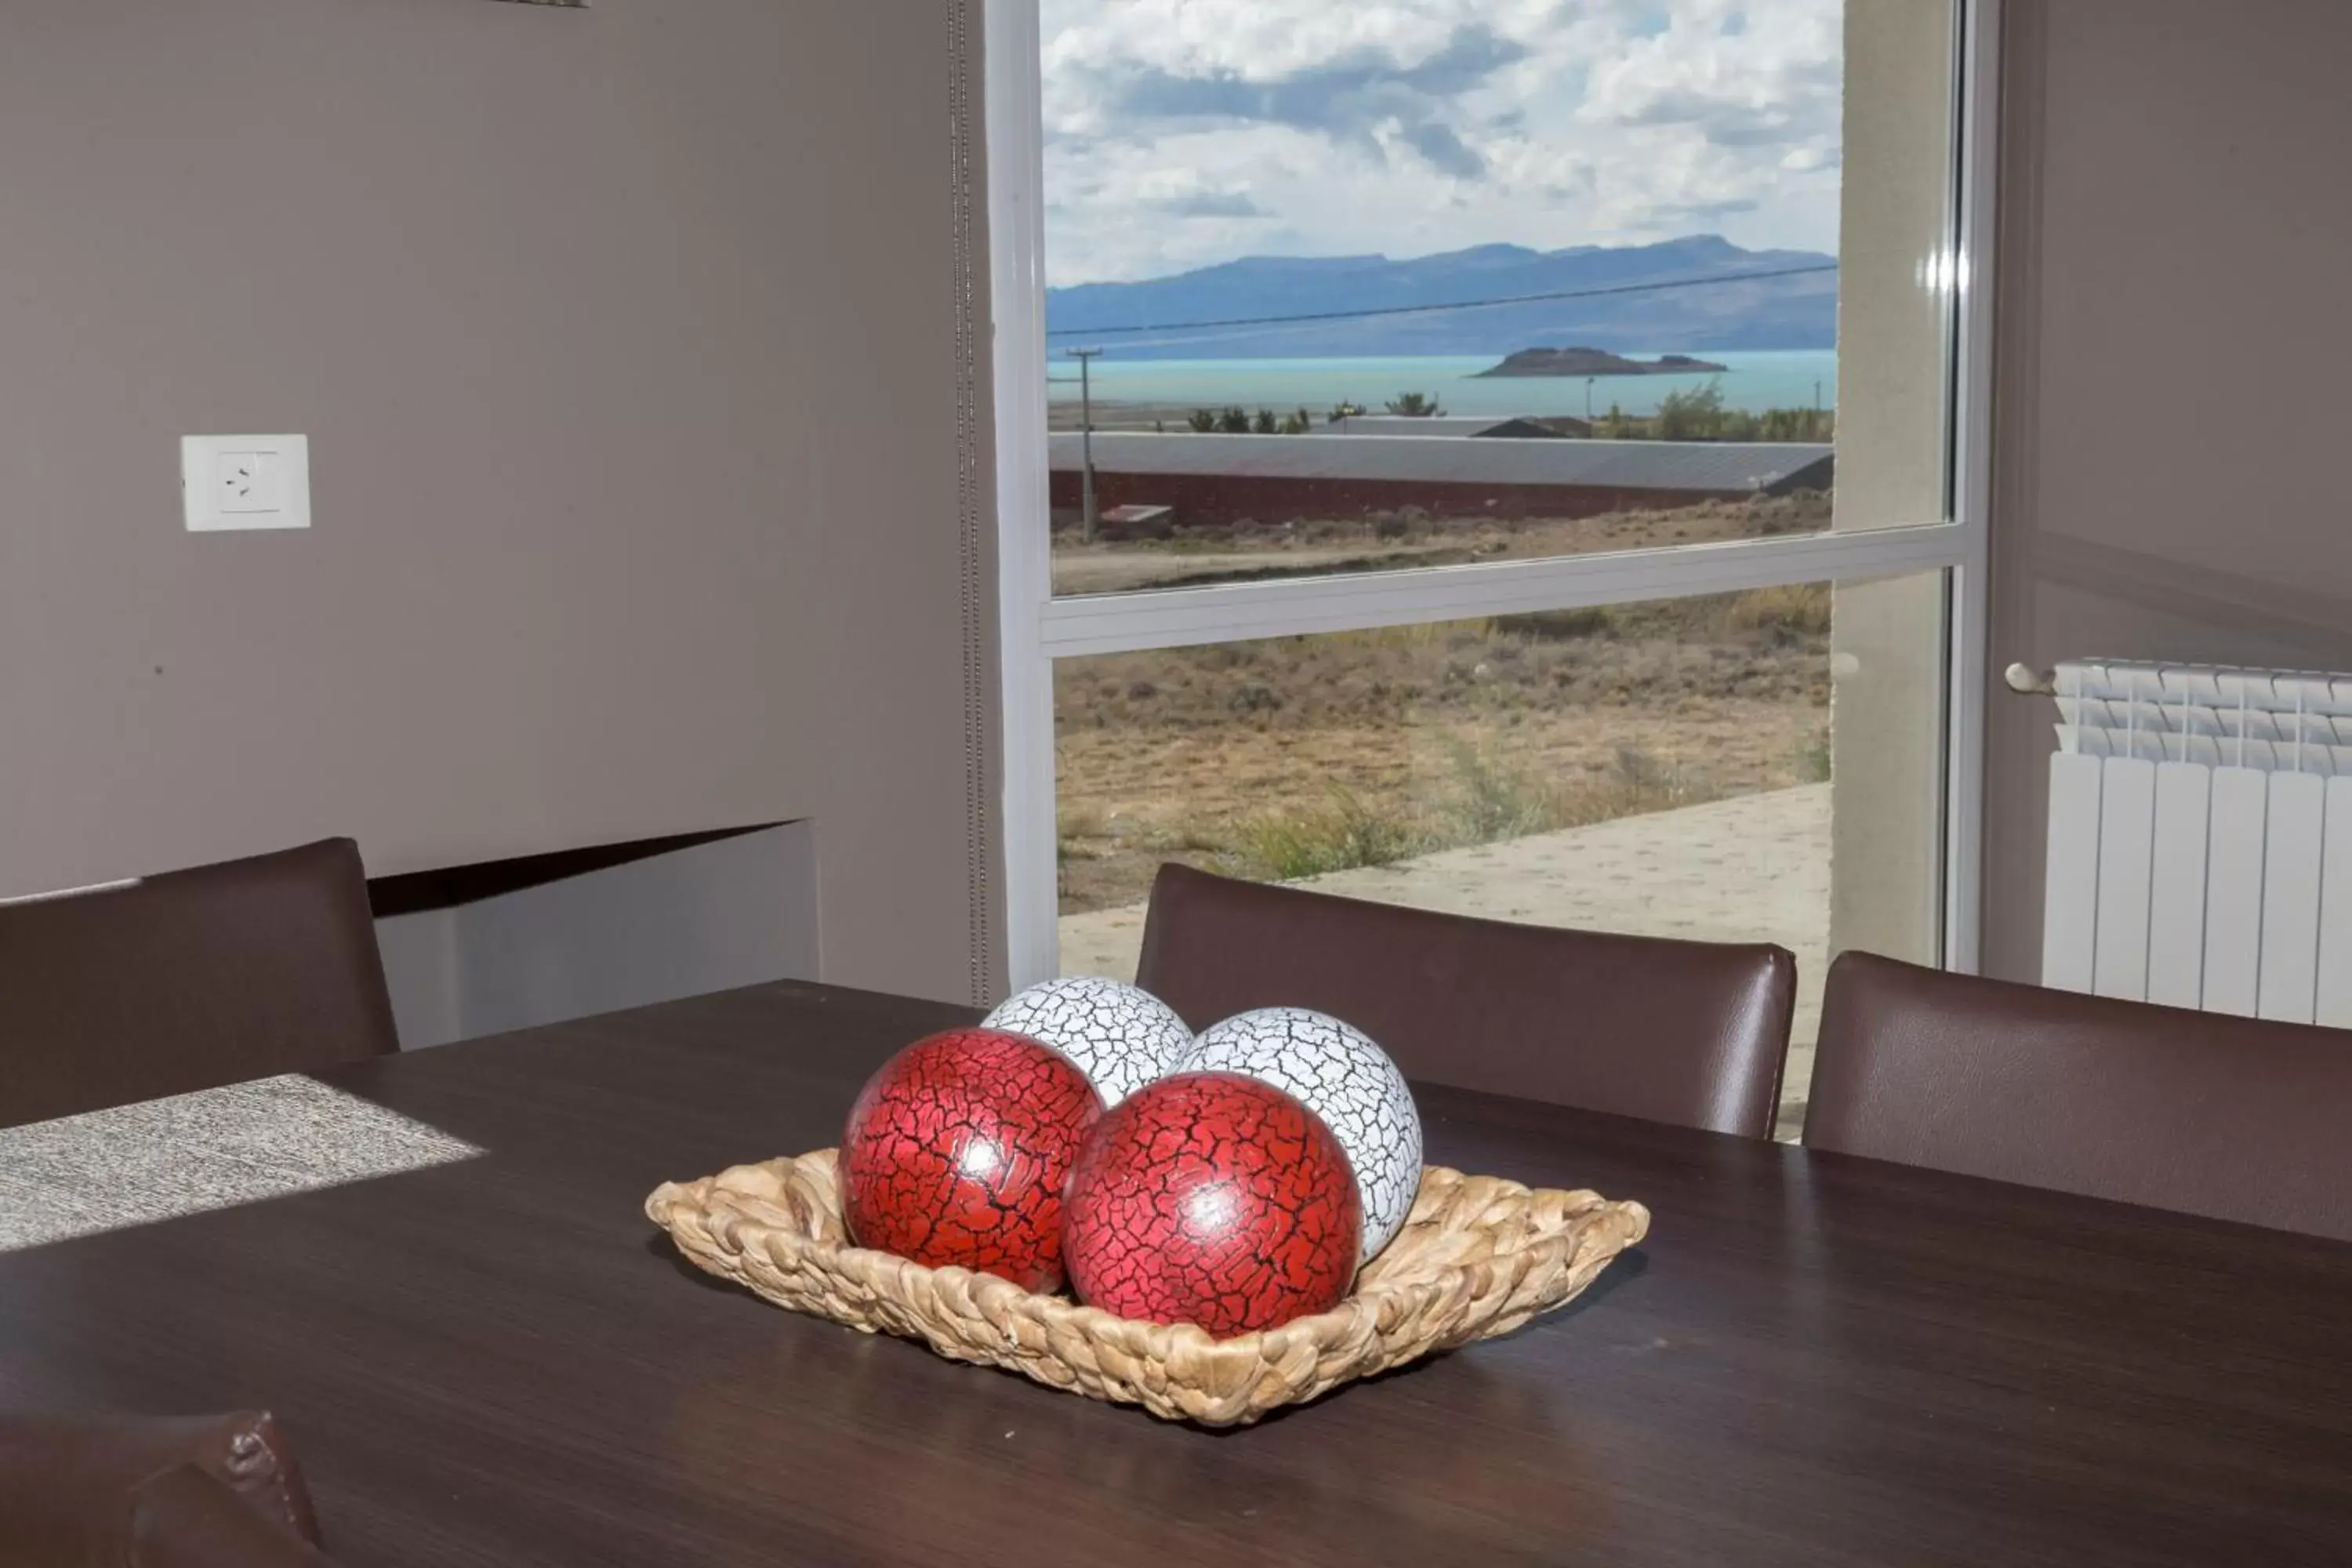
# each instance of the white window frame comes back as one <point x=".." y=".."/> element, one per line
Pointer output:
<point x="1036" y="628"/>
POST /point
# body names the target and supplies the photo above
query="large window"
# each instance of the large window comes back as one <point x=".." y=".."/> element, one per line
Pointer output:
<point x="1510" y="459"/>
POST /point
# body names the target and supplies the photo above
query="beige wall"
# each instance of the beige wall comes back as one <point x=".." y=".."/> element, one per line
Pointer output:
<point x="2170" y="407"/>
<point x="627" y="341"/>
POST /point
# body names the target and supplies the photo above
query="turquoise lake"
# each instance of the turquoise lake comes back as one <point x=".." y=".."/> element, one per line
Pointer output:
<point x="1753" y="381"/>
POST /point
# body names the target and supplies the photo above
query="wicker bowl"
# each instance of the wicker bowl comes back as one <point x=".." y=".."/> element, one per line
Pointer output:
<point x="1478" y="1257"/>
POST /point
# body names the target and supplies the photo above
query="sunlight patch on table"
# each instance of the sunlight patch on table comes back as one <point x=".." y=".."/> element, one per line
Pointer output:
<point x="192" y="1153"/>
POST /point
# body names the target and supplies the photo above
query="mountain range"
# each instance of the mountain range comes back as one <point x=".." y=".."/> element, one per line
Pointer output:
<point x="1797" y="311"/>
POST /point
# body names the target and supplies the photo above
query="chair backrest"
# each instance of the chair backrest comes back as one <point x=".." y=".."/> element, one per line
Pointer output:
<point x="186" y="1518"/>
<point x="1691" y="1032"/>
<point x="2198" y="1112"/>
<point x="189" y="980"/>
<point x="93" y="1488"/>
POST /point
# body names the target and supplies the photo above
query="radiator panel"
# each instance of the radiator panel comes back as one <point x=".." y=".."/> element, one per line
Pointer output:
<point x="2201" y="841"/>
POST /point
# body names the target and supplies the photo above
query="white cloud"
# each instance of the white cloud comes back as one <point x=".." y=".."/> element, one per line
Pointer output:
<point x="1183" y="133"/>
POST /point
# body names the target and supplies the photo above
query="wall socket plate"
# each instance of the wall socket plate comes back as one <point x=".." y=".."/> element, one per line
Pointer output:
<point x="244" y="481"/>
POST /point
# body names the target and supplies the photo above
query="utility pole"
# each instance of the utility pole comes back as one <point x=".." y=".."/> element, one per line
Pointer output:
<point x="1588" y="400"/>
<point x="1090" y="518"/>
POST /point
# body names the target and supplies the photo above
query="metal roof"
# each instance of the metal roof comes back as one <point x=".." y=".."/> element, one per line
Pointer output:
<point x="1436" y="425"/>
<point x="1720" y="466"/>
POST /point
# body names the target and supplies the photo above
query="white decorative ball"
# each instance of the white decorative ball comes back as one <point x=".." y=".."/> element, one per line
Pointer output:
<point x="1120" y="1037"/>
<point x="1338" y="1073"/>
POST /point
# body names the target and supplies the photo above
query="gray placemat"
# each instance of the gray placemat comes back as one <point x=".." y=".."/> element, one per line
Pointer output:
<point x="136" y="1164"/>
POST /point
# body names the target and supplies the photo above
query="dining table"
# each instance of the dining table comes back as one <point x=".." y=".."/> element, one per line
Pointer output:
<point x="437" y="1270"/>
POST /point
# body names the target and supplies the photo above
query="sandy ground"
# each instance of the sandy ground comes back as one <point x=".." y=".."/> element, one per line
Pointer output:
<point x="1120" y="569"/>
<point x="1756" y="868"/>
<point x="1302" y="547"/>
<point x="1297" y="756"/>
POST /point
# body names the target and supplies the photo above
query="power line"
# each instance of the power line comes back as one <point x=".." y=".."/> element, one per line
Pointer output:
<point x="1085" y="358"/>
<point x="1657" y="287"/>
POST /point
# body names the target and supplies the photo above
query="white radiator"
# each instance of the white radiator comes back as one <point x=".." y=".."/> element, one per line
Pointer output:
<point x="2200" y="839"/>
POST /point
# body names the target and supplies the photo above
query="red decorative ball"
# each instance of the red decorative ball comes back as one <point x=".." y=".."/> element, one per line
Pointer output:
<point x="958" y="1150"/>
<point x="1214" y="1199"/>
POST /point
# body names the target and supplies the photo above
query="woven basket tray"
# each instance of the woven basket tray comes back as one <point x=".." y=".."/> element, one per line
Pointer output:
<point x="1478" y="1257"/>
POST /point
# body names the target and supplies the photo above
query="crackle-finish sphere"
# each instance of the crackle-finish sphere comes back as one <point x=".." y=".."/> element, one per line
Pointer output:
<point x="1121" y="1038"/>
<point x="1214" y="1199"/>
<point x="1340" y="1075"/>
<point x="958" y="1150"/>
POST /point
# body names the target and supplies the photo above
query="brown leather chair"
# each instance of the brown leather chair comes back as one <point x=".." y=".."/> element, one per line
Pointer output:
<point x="140" y="1490"/>
<point x="1691" y="1032"/>
<point x="2198" y="1112"/>
<point x="185" y="1518"/>
<point x="187" y="981"/>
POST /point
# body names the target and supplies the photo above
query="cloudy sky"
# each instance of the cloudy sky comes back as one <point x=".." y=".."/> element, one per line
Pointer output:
<point x="1182" y="132"/>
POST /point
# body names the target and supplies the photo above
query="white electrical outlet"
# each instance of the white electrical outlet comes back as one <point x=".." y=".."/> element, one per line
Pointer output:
<point x="246" y="481"/>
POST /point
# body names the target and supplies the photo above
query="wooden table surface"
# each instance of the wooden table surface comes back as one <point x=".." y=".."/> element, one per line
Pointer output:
<point x="1814" y="1360"/>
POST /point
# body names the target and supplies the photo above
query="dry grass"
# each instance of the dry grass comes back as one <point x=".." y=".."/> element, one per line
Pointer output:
<point x="1487" y="800"/>
<point x="1294" y="756"/>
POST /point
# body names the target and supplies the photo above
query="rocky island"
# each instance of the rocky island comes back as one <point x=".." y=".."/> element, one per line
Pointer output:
<point x="1595" y="363"/>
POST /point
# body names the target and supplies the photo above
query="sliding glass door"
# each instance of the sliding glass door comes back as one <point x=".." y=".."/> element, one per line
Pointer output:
<point x="1516" y="461"/>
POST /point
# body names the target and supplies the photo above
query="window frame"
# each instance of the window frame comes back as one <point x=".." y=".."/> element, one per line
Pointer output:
<point x="1035" y="629"/>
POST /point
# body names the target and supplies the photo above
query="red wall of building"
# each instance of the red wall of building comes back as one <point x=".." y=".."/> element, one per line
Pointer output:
<point x="1213" y="500"/>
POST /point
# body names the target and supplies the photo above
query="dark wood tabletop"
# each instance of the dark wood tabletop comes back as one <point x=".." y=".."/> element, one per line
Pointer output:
<point x="1814" y="1360"/>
